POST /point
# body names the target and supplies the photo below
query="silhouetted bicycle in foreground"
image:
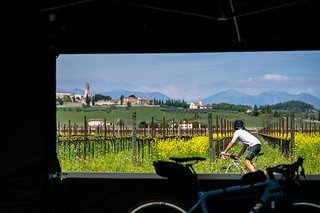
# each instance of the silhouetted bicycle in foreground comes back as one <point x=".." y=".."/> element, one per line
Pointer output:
<point x="272" y="199"/>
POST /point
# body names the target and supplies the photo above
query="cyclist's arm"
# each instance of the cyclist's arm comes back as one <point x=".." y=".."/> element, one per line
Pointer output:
<point x="230" y="144"/>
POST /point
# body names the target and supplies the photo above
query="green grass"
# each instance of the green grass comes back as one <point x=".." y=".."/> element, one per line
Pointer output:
<point x="112" y="114"/>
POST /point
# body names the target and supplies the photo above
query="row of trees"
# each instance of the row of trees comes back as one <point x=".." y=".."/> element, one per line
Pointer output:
<point x="231" y="107"/>
<point x="160" y="102"/>
<point x="284" y="109"/>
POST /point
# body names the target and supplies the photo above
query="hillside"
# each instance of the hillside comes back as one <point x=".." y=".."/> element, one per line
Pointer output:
<point x="265" y="98"/>
<point x="76" y="115"/>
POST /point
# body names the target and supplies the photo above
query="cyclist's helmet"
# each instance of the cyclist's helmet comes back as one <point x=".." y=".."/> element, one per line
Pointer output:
<point x="238" y="124"/>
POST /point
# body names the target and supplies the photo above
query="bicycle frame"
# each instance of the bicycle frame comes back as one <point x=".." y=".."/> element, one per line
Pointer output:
<point x="235" y="161"/>
<point x="235" y="164"/>
<point x="271" y="192"/>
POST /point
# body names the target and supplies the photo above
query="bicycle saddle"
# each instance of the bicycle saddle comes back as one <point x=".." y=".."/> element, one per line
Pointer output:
<point x="183" y="160"/>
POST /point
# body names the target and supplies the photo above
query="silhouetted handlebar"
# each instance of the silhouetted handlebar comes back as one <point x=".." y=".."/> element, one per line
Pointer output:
<point x="289" y="171"/>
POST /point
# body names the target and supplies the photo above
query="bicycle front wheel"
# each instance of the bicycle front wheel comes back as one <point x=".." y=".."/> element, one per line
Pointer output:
<point x="158" y="205"/>
<point x="303" y="206"/>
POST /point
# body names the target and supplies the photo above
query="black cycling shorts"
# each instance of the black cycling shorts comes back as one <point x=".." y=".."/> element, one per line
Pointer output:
<point x="253" y="151"/>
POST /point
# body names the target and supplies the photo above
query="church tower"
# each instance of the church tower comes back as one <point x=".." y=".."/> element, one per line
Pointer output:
<point x="86" y="90"/>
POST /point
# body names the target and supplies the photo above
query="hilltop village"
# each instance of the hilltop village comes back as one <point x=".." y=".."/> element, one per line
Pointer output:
<point x="67" y="99"/>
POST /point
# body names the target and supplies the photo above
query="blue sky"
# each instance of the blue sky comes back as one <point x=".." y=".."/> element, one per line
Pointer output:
<point x="192" y="76"/>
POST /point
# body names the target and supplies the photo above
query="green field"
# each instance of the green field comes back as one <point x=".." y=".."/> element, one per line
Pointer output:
<point x="112" y="114"/>
<point x="119" y="159"/>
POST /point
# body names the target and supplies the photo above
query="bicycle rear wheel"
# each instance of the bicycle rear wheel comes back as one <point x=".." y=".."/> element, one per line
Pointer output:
<point x="306" y="206"/>
<point x="158" y="205"/>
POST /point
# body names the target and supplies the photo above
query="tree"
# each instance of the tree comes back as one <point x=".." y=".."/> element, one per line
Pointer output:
<point x="255" y="110"/>
<point x="204" y="125"/>
<point x="93" y="100"/>
<point x="59" y="100"/>
<point x="121" y="99"/>
<point x="99" y="97"/>
<point x="195" y="124"/>
<point x="269" y="109"/>
<point x="276" y="114"/>
<point x="87" y="100"/>
<point x="143" y="124"/>
<point x="175" y="103"/>
<point x="66" y="98"/>
<point x="297" y="106"/>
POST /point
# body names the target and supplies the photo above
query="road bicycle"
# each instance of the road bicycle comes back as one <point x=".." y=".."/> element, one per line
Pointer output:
<point x="272" y="197"/>
<point x="235" y="165"/>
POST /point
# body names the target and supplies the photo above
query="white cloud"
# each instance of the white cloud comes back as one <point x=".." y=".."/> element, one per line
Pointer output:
<point x="174" y="92"/>
<point x="258" y="84"/>
<point x="274" y="77"/>
<point x="171" y="91"/>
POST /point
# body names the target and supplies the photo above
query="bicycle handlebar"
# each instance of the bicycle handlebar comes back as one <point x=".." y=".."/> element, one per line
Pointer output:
<point x="289" y="171"/>
<point x="234" y="157"/>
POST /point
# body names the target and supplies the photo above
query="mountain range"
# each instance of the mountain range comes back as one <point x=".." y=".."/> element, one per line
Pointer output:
<point x="228" y="96"/>
<point x="270" y="97"/>
<point x="115" y="94"/>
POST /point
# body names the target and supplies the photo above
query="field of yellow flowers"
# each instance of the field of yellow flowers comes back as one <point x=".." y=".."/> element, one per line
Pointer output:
<point x="307" y="146"/>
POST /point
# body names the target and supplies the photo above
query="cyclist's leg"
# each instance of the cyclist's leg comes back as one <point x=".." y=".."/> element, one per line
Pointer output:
<point x="249" y="165"/>
<point x="251" y="152"/>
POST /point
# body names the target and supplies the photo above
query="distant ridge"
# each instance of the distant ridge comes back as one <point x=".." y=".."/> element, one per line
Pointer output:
<point x="73" y="91"/>
<point x="270" y="97"/>
<point x="115" y="94"/>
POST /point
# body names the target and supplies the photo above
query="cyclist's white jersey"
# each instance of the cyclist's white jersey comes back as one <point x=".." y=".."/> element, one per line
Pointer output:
<point x="245" y="137"/>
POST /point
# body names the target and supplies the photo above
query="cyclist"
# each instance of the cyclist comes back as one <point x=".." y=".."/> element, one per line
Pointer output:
<point x="251" y="144"/>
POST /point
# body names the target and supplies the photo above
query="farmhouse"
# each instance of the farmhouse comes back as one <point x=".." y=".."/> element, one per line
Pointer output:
<point x="98" y="122"/>
<point x="62" y="94"/>
<point x="183" y="125"/>
<point x="136" y="101"/>
<point x="196" y="105"/>
<point x="106" y="102"/>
